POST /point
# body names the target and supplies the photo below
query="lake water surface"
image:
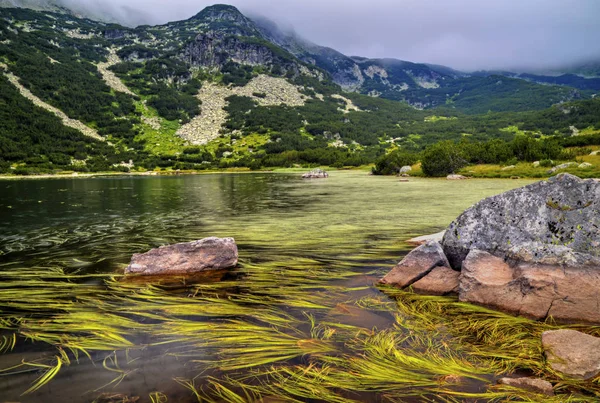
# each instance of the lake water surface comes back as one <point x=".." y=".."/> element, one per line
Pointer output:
<point x="310" y="253"/>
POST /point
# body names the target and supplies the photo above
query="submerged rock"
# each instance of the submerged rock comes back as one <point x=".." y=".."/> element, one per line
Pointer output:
<point x="535" y="385"/>
<point x="572" y="353"/>
<point x="315" y="174"/>
<point x="184" y="258"/>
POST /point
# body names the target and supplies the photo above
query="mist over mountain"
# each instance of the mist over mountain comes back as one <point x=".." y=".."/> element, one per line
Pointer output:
<point x="468" y="35"/>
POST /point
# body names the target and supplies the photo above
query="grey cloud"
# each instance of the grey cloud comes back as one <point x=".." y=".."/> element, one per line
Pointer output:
<point x="463" y="34"/>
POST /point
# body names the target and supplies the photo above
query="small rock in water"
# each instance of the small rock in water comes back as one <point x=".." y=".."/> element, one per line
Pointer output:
<point x="420" y="240"/>
<point x="315" y="174"/>
<point x="456" y="177"/>
<point x="184" y="258"/>
<point x="535" y="385"/>
<point x="416" y="265"/>
<point x="572" y="353"/>
<point x="440" y="281"/>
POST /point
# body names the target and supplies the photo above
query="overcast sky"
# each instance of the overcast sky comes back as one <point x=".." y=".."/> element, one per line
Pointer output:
<point x="463" y="34"/>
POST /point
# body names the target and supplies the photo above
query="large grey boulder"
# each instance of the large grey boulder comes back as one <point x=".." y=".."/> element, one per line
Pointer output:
<point x="572" y="353"/>
<point x="186" y="258"/>
<point x="549" y="222"/>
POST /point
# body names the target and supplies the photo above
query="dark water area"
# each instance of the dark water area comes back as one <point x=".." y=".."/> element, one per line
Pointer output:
<point x="310" y="255"/>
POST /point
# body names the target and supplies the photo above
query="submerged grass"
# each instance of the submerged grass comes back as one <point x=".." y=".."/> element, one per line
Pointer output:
<point x="280" y="327"/>
<point x="272" y="336"/>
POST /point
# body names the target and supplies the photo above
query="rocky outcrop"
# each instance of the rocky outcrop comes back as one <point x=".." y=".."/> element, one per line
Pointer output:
<point x="535" y="385"/>
<point x="213" y="49"/>
<point x="186" y="258"/>
<point x="315" y="174"/>
<point x="349" y="107"/>
<point x="572" y="353"/>
<point x="532" y="251"/>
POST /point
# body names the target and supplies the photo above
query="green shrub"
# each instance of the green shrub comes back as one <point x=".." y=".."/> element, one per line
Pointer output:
<point x="391" y="163"/>
<point x="443" y="158"/>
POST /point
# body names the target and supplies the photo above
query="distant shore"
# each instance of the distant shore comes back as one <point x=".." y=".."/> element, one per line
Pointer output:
<point x="481" y="171"/>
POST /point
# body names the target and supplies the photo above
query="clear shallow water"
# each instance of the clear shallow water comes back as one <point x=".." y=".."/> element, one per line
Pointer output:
<point x="336" y="236"/>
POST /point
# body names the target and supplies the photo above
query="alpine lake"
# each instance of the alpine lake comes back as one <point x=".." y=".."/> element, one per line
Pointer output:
<point x="300" y="319"/>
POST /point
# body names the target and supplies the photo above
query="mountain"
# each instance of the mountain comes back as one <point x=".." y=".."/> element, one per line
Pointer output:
<point x="357" y="73"/>
<point x="587" y="69"/>
<point x="221" y="89"/>
<point x="422" y="85"/>
<point x="39" y="5"/>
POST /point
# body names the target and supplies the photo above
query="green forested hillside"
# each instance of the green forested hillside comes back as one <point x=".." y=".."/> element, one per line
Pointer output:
<point x="145" y="101"/>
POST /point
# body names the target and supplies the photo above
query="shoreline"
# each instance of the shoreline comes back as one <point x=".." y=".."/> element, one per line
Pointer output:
<point x="366" y="169"/>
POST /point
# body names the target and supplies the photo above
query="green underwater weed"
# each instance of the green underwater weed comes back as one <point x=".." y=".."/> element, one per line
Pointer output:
<point x="269" y="333"/>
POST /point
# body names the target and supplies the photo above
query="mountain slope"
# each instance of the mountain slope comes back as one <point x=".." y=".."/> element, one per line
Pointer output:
<point x="220" y="89"/>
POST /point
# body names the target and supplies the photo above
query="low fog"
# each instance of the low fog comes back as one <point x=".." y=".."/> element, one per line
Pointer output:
<point x="463" y="34"/>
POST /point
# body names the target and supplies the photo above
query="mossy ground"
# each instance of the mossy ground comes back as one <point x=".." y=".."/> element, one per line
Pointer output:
<point x="161" y="141"/>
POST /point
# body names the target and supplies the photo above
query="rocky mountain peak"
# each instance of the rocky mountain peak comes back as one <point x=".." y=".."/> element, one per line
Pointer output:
<point x="222" y="13"/>
<point x="221" y="18"/>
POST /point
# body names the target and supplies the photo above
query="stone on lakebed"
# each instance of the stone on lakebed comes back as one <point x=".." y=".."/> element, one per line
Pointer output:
<point x="572" y="353"/>
<point x="535" y="385"/>
<point x="186" y="258"/>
